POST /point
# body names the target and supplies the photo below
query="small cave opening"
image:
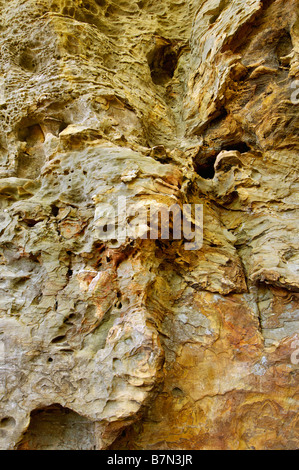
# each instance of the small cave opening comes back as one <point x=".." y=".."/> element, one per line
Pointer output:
<point x="33" y="135"/>
<point x="58" y="428"/>
<point x="241" y="147"/>
<point x="163" y="61"/>
<point x="55" y="210"/>
<point x="205" y="167"/>
<point x="284" y="46"/>
<point x="204" y="164"/>
<point x="30" y="222"/>
<point x="27" y="61"/>
<point x="7" y="422"/>
<point x="63" y="125"/>
<point x="54" y="126"/>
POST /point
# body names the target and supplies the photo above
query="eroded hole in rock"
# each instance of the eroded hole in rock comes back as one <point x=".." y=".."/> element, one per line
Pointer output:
<point x="59" y="339"/>
<point x="177" y="392"/>
<point x="163" y="60"/>
<point x="69" y="273"/>
<point x="55" y="211"/>
<point x="54" y="126"/>
<point x="27" y="61"/>
<point x="32" y="135"/>
<point x="69" y="320"/>
<point x="7" y="422"/>
<point x="30" y="222"/>
<point x="58" y="428"/>
<point x="241" y="147"/>
<point x="68" y="11"/>
<point x="88" y="6"/>
<point x="31" y="156"/>
<point x="62" y="126"/>
<point x="284" y="46"/>
<point x="205" y="167"/>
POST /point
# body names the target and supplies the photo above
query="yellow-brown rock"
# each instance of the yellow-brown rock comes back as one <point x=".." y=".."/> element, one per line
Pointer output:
<point x="143" y="344"/>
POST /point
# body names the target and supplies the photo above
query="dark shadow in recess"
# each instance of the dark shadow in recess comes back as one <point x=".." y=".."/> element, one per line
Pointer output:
<point x="58" y="428"/>
<point x="163" y="60"/>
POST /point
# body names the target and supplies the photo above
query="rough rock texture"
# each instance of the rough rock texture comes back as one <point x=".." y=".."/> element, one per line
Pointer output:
<point x="147" y="345"/>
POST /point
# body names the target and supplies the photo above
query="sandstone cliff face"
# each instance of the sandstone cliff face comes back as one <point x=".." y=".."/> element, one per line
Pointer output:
<point x="145" y="345"/>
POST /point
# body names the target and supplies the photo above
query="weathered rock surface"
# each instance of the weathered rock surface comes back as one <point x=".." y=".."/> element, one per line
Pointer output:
<point x="142" y="344"/>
